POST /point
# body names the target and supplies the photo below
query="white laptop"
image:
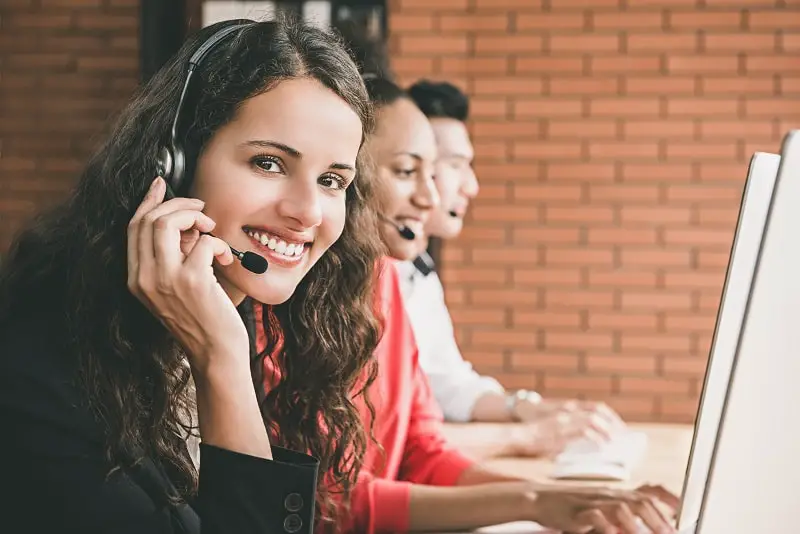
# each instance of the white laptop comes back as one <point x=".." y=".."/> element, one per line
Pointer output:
<point x="747" y="240"/>
<point x="752" y="485"/>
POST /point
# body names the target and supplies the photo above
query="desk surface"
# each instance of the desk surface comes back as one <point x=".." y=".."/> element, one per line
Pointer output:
<point x="664" y="463"/>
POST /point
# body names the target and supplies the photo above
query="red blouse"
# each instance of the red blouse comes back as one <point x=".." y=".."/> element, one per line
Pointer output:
<point x="408" y="424"/>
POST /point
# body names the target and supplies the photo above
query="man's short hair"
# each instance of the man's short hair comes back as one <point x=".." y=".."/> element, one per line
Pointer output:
<point x="440" y="100"/>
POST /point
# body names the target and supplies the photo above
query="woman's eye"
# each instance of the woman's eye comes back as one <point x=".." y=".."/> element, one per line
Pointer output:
<point x="268" y="164"/>
<point x="406" y="173"/>
<point x="333" y="181"/>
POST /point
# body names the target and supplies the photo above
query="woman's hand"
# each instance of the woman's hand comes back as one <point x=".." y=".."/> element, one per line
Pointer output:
<point x="605" y="511"/>
<point x="170" y="270"/>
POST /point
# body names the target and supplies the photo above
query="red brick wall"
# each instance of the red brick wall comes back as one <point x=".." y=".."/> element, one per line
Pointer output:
<point x="65" y="66"/>
<point x="612" y="142"/>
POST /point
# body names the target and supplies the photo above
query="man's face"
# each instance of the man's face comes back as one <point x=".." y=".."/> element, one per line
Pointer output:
<point x="454" y="178"/>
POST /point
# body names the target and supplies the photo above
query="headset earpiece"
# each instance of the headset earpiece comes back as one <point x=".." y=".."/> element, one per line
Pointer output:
<point x="171" y="160"/>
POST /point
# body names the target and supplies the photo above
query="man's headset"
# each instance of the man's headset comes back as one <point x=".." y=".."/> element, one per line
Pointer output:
<point x="171" y="160"/>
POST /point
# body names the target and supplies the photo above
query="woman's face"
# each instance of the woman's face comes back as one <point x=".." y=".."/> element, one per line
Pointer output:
<point x="403" y="149"/>
<point x="274" y="180"/>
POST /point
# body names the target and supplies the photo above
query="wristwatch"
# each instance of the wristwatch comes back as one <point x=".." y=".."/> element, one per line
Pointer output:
<point x="521" y="395"/>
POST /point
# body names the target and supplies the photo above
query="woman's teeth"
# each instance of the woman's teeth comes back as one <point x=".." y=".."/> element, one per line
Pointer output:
<point x="278" y="245"/>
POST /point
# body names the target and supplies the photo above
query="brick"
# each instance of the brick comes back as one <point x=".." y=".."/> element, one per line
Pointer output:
<point x="488" y="108"/>
<point x="659" y="85"/>
<point x="584" y="43"/>
<point x="546" y="277"/>
<point x="711" y="20"/>
<point x="735" y="129"/>
<point x="724" y="172"/>
<point x="545" y="319"/>
<point x="579" y="171"/>
<point x="653" y="385"/>
<point x="578" y="256"/>
<point x="577" y="340"/>
<point x="584" y="214"/>
<point x="410" y="23"/>
<point x="576" y="384"/>
<point x="504" y="213"/>
<point x="481" y="317"/>
<point x="790" y="42"/>
<point x="505" y="338"/>
<point x="584" y="86"/>
<point x="693" y="322"/>
<point x="705" y="64"/>
<point x="692" y="280"/>
<point x="547" y="192"/>
<point x="544" y="361"/>
<point x="668" y="129"/>
<point x="475" y="22"/>
<point x="761" y="107"/>
<point x="632" y="20"/>
<point x="737" y="85"/>
<point x="614" y="363"/>
<point x="37" y="20"/>
<point x="616" y="150"/>
<point x="516" y="85"/>
<point x="506" y="297"/>
<point x="662" y="42"/>
<point x="624" y="107"/>
<point x="655" y="215"/>
<point x="698" y="237"/>
<point x="706" y="151"/>
<point x="413" y="65"/>
<point x="505" y="130"/>
<point x="708" y="216"/>
<point x="550" y="22"/>
<point x="774" y="19"/>
<point x="506" y="171"/>
<point x="701" y="107"/>
<point x="544" y="235"/>
<point x="547" y="107"/>
<point x="581" y="129"/>
<point x="679" y="410"/>
<point x="656" y="172"/>
<point x="623" y="193"/>
<point x="469" y="65"/>
<point x="770" y="63"/>
<point x="618" y="278"/>
<point x="740" y="42"/>
<point x="431" y="5"/>
<point x="622" y="321"/>
<point x="105" y="21"/>
<point x="413" y="44"/>
<point x="489" y="150"/>
<point x="654" y="343"/>
<point x="624" y="64"/>
<point x="655" y="300"/>
<point x="508" y="4"/>
<point x="545" y="150"/>
<point x="475" y="275"/>
<point x="506" y="44"/>
<point x="549" y="64"/>
<point x="620" y="236"/>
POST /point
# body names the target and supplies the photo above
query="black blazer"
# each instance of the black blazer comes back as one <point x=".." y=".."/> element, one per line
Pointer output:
<point x="53" y="477"/>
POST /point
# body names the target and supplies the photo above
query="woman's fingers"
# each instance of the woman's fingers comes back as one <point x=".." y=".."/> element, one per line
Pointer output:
<point x="205" y="251"/>
<point x="167" y="231"/>
<point x="151" y="199"/>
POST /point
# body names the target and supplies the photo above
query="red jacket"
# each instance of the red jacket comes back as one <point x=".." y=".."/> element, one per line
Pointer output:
<point x="408" y="424"/>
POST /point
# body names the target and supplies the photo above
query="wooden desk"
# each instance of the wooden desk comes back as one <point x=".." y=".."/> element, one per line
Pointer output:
<point x="664" y="463"/>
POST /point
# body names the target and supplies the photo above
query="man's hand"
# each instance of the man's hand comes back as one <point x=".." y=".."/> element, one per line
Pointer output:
<point x="551" y="424"/>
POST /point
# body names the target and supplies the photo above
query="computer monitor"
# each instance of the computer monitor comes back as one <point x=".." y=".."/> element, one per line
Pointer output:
<point x="752" y="484"/>
<point x="753" y="211"/>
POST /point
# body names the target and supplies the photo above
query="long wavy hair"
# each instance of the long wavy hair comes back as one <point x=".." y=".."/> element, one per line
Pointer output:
<point x="74" y="259"/>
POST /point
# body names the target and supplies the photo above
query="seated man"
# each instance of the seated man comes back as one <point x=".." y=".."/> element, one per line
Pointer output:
<point x="464" y="394"/>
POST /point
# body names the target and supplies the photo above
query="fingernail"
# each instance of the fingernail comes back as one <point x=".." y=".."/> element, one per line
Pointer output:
<point x="154" y="183"/>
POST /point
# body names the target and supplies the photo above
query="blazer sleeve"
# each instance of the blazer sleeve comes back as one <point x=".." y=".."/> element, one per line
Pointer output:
<point x="54" y="476"/>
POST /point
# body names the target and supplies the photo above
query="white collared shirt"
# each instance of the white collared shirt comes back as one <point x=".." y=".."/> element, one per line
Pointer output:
<point x="455" y="384"/>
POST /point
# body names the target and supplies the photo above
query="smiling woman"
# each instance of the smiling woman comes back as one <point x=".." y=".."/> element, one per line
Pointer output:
<point x="125" y="326"/>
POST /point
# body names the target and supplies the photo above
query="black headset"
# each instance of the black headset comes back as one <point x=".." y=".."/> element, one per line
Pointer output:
<point x="171" y="160"/>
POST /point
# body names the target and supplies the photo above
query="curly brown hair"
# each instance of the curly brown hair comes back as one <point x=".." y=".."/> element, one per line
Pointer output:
<point x="74" y="258"/>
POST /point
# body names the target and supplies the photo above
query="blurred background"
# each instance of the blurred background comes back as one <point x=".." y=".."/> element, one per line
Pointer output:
<point x="612" y="141"/>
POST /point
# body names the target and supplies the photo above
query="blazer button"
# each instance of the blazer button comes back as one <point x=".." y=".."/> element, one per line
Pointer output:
<point x="293" y="502"/>
<point x="292" y="523"/>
